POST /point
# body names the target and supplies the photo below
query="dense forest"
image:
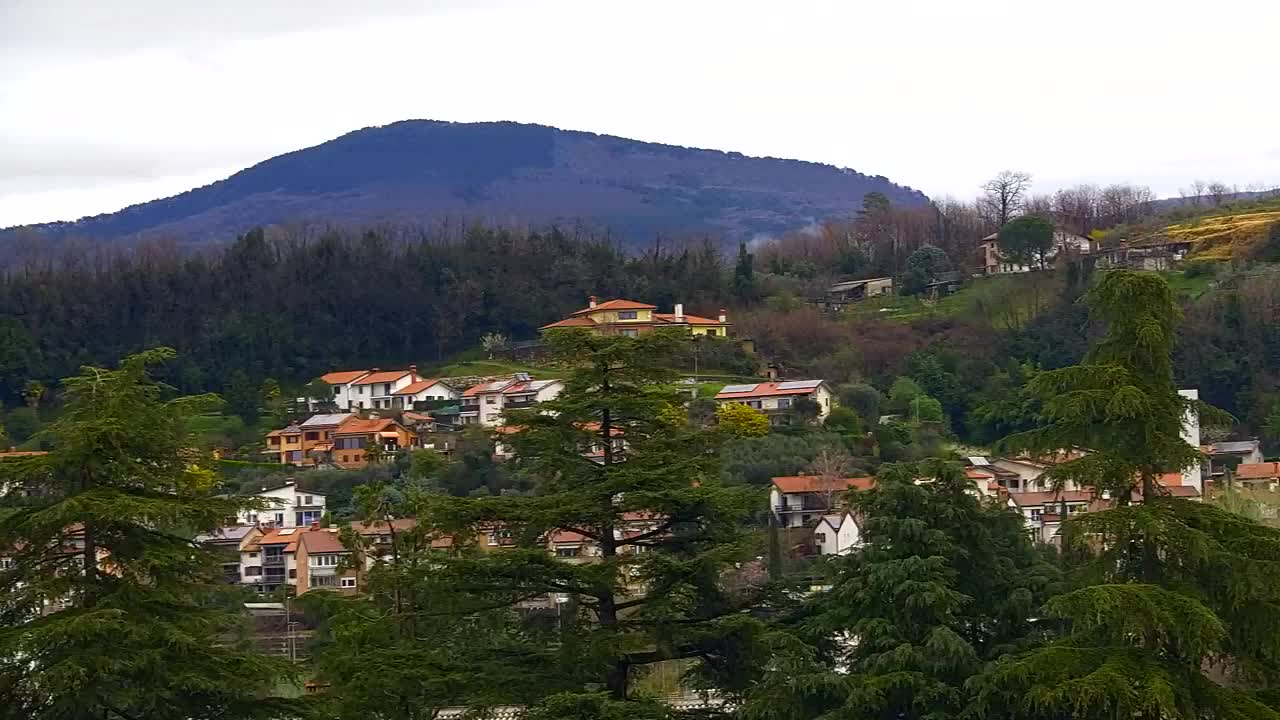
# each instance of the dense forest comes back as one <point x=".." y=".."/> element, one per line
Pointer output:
<point x="285" y="307"/>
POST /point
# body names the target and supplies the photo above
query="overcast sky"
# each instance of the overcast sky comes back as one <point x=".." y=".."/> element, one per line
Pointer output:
<point x="108" y="103"/>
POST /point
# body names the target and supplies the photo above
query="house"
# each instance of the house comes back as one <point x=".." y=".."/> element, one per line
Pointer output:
<point x="801" y="500"/>
<point x="323" y="562"/>
<point x="378" y="389"/>
<point x="1264" y="473"/>
<point x="776" y="399"/>
<point x="288" y="506"/>
<point x="306" y="443"/>
<point x="1235" y="452"/>
<point x="422" y="391"/>
<point x="837" y="534"/>
<point x="572" y="547"/>
<point x="631" y="318"/>
<point x="285" y="445"/>
<point x="356" y="434"/>
<point x="1191" y="476"/>
<point x="268" y="561"/>
<point x="226" y="543"/>
<point x="993" y="262"/>
<point x="340" y="383"/>
<point x="1043" y="512"/>
<point x="842" y="294"/>
<point x="485" y="403"/>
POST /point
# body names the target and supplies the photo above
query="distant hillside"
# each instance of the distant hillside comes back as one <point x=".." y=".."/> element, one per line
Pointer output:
<point x="420" y="171"/>
<point x="1248" y="229"/>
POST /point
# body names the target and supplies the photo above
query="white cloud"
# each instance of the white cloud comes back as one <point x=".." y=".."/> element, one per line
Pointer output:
<point x="105" y="104"/>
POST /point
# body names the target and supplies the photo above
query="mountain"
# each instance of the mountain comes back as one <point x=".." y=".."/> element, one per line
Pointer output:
<point x="420" y="171"/>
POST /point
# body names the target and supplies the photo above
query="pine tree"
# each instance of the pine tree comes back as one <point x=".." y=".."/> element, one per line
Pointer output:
<point x="944" y="582"/>
<point x="509" y="623"/>
<point x="110" y="611"/>
<point x="1175" y="613"/>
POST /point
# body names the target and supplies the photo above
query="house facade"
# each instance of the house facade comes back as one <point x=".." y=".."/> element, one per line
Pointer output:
<point x="352" y="439"/>
<point x="630" y="318"/>
<point x="287" y="506"/>
<point x="484" y="404"/>
<point x="422" y="391"/>
<point x="842" y="294"/>
<point x="340" y="383"/>
<point x="777" y="399"/>
<point x="803" y="500"/>
<point x="993" y="262"/>
<point x="837" y="534"/>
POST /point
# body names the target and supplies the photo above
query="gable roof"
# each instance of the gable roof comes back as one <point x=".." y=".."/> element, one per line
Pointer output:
<point x="816" y="483"/>
<point x="330" y="419"/>
<point x="364" y="426"/>
<point x="417" y="387"/>
<point x="493" y="386"/>
<point x="1258" y="471"/>
<point x="322" y="540"/>
<point x="615" y="305"/>
<point x="378" y="377"/>
<point x="769" y="389"/>
<point x="291" y="430"/>
<point x="688" y="319"/>
<point x="571" y="322"/>
<point x="343" y="377"/>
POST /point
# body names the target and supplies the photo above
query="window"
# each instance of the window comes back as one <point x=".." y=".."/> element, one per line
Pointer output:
<point x="349" y="443"/>
<point x="293" y="456"/>
<point x="348" y="582"/>
<point x="568" y="552"/>
<point x="784" y="403"/>
<point x="324" y="560"/>
<point x="490" y="399"/>
<point x="819" y="538"/>
<point x="312" y="435"/>
<point x="753" y="404"/>
<point x="253" y="556"/>
<point x="275" y="441"/>
<point x="360" y="390"/>
<point x="293" y="574"/>
<point x="321" y="581"/>
<point x="386" y="388"/>
<point x="307" y="517"/>
<point x="627" y="315"/>
<point x="337" y="389"/>
<point x="280" y="518"/>
<point x="6" y="563"/>
<point x="307" y="500"/>
<point x="1036" y="514"/>
<point x="346" y="458"/>
<point x="632" y="332"/>
<point x="253" y="571"/>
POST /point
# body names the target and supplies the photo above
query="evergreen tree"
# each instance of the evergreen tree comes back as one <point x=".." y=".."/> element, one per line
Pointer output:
<point x="110" y="611"/>
<point x="506" y="622"/>
<point x="1175" y="615"/>
<point x="943" y="583"/>
<point x="744" y="283"/>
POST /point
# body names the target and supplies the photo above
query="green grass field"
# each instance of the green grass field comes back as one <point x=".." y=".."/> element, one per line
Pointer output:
<point x="485" y="367"/>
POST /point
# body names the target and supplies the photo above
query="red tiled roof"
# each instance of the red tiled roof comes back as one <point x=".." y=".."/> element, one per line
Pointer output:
<point x="815" y="483"/>
<point x="323" y="540"/>
<point x="616" y="305"/>
<point x="364" y="426"/>
<point x="386" y="376"/>
<point x="415" y="388"/>
<point x="765" y="389"/>
<point x="22" y="453"/>
<point x="567" y="536"/>
<point x="488" y="388"/>
<point x="1050" y="497"/>
<point x="571" y="322"/>
<point x="412" y="416"/>
<point x="1182" y="491"/>
<point x="1258" y="471"/>
<point x="976" y="474"/>
<point x="1170" y="479"/>
<point x="342" y="377"/>
<point x="277" y="536"/>
<point x="690" y="319"/>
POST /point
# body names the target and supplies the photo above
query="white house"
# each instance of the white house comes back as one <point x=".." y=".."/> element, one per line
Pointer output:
<point x="994" y="262"/>
<point x="422" y="391"/>
<point x="799" y="500"/>
<point x="378" y="388"/>
<point x="341" y="383"/>
<point x="289" y="506"/>
<point x="1191" y="434"/>
<point x="484" y="404"/>
<point x="1043" y="511"/>
<point x="837" y="534"/>
<point x="776" y="399"/>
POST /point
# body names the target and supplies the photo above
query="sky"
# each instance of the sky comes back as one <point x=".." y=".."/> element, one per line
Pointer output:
<point x="106" y="104"/>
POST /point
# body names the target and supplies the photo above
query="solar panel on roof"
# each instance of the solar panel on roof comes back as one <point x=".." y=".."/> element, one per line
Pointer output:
<point x="799" y="384"/>
<point x="738" y="388"/>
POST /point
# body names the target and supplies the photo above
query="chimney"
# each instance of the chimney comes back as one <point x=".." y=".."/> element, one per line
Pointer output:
<point x="375" y="370"/>
<point x="724" y="317"/>
<point x="288" y="482"/>
<point x="679" y="312"/>
<point x="592" y="302"/>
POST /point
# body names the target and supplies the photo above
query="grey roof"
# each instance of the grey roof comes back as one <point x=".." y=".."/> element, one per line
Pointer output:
<point x="329" y="419"/>
<point x="232" y="532"/>
<point x="738" y="388"/>
<point x="799" y="384"/>
<point x="1236" y="446"/>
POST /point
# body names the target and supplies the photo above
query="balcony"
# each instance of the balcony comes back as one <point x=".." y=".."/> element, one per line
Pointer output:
<point x="273" y="561"/>
<point x="518" y="405"/>
<point x="323" y="571"/>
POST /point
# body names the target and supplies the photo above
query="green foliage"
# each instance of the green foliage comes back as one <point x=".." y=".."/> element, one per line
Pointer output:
<point x="1027" y="240"/>
<point x="110" y="610"/>
<point x="844" y="421"/>
<point x="741" y="421"/>
<point x="943" y="584"/>
<point x="924" y="265"/>
<point x="22" y="424"/>
<point x="903" y="393"/>
<point x="622" y="610"/>
<point x="744" y="286"/>
<point x="753" y="461"/>
<point x="863" y="398"/>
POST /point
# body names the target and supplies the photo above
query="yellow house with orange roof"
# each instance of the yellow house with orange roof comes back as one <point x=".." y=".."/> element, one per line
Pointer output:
<point x="631" y="318"/>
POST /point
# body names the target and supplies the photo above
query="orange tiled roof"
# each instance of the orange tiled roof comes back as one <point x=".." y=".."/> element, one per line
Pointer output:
<point x="342" y="377"/>
<point x="276" y="536"/>
<point x="1257" y="471"/>
<point x="364" y="426"/>
<point x="415" y="388"/>
<point x="1041" y="498"/>
<point x="765" y="389"/>
<point x="815" y="483"/>
<point x="616" y="305"/>
<point x="322" y="540"/>
<point x="386" y="376"/>
<point x="22" y="453"/>
<point x="571" y="322"/>
<point x="690" y="319"/>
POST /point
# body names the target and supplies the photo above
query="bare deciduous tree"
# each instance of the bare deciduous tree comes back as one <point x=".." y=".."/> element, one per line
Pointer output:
<point x="1005" y="195"/>
<point x="1217" y="192"/>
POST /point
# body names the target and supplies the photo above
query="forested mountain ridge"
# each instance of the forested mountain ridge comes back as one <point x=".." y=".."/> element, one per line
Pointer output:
<point x="504" y="173"/>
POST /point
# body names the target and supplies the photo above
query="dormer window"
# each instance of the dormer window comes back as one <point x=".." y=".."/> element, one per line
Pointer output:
<point x="627" y="315"/>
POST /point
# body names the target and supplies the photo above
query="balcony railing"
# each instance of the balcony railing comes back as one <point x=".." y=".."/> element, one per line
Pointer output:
<point x="518" y="405"/>
<point x="273" y="561"/>
<point x="323" y="570"/>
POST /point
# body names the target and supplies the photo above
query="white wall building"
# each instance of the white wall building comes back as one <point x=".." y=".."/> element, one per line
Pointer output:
<point x="485" y="404"/>
<point x="422" y="391"/>
<point x="289" y="506"/>
<point x="776" y="399"/>
<point x="1191" y="433"/>
<point x="341" y="383"/>
<point x="837" y="534"/>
